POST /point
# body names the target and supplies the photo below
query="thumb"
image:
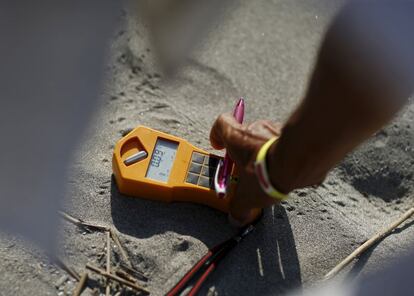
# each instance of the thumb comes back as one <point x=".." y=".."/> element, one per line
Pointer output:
<point x="222" y="130"/>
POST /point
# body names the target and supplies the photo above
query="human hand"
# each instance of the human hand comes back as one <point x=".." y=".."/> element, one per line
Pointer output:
<point x="242" y="143"/>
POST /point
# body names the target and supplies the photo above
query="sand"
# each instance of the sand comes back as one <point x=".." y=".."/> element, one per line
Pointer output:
<point x="265" y="52"/>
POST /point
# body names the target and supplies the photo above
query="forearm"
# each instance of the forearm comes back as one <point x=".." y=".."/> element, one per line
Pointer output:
<point x="345" y="104"/>
<point x="325" y="127"/>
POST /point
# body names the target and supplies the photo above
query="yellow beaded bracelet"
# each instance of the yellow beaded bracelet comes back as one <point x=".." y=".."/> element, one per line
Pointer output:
<point x="263" y="175"/>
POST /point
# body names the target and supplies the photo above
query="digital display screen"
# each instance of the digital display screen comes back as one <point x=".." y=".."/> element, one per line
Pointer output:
<point x="162" y="160"/>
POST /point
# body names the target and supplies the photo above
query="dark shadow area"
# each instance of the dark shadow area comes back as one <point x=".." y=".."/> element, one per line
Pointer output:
<point x="142" y="218"/>
<point x="382" y="167"/>
<point x="266" y="262"/>
<point x="386" y="185"/>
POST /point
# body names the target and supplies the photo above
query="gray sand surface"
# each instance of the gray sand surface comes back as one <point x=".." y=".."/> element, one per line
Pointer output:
<point x="264" y="51"/>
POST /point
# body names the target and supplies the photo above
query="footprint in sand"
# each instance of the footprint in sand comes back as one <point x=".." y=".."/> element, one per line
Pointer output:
<point x="182" y="246"/>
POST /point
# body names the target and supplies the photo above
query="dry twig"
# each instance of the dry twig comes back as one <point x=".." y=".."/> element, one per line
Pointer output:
<point x="98" y="227"/>
<point x="82" y="223"/>
<point x="66" y="268"/>
<point x="125" y="275"/>
<point x="108" y="261"/>
<point x="115" y="237"/>
<point x="133" y="272"/>
<point x="111" y="233"/>
<point x="117" y="278"/>
<point x="369" y="243"/>
<point x="82" y="282"/>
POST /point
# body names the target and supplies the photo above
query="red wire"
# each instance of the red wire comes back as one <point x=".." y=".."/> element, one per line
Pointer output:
<point x="201" y="280"/>
<point x="177" y="288"/>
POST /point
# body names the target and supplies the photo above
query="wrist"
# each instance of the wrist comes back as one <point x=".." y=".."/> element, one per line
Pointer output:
<point x="262" y="174"/>
<point x="276" y="170"/>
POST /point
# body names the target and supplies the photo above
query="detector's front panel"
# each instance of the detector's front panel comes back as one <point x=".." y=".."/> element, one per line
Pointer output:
<point x="154" y="165"/>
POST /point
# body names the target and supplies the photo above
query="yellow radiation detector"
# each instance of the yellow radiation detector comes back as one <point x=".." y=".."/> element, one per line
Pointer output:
<point x="154" y="165"/>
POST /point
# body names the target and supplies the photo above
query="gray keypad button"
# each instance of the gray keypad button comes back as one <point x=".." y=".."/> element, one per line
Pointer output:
<point x="204" y="182"/>
<point x="208" y="171"/>
<point x="198" y="157"/>
<point x="195" y="168"/>
<point x="192" y="178"/>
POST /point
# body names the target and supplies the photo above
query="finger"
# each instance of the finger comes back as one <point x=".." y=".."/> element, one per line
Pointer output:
<point x="252" y="217"/>
<point x="239" y="211"/>
<point x="249" y="199"/>
<point x="244" y="200"/>
<point x="274" y="127"/>
<point x="265" y="129"/>
<point x="222" y="129"/>
<point x="235" y="222"/>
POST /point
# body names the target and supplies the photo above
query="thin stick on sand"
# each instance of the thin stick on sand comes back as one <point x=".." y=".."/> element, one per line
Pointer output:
<point x="115" y="237"/>
<point x="108" y="261"/>
<point x="79" y="288"/>
<point x="133" y="272"/>
<point x="117" y="278"/>
<point x="125" y="275"/>
<point x="368" y="244"/>
<point x="98" y="227"/>
<point x="66" y="268"/>
<point x="82" y="223"/>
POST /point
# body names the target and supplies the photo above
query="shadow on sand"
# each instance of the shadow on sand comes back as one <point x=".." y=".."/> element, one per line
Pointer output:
<point x="266" y="262"/>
